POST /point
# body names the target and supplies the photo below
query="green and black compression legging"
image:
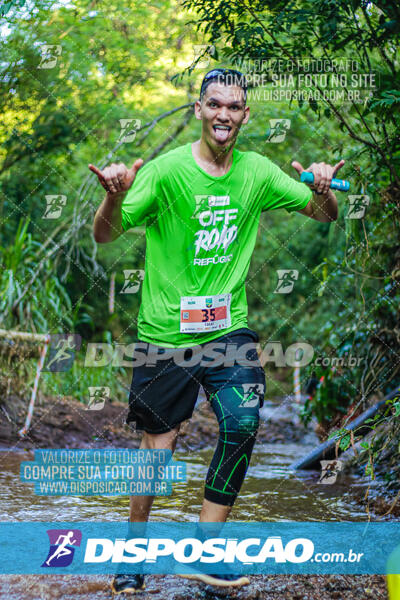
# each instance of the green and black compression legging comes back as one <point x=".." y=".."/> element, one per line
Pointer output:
<point x="238" y="418"/>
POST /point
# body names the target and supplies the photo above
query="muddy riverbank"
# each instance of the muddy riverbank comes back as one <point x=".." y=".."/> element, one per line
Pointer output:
<point x="65" y="423"/>
<point x="60" y="423"/>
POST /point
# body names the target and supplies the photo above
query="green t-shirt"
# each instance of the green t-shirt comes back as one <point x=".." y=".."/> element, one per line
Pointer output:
<point x="200" y="235"/>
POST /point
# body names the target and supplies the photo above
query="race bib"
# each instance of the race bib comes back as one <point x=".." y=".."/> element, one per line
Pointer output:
<point x="205" y="313"/>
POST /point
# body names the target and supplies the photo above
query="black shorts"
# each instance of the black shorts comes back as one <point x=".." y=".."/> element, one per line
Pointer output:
<point x="164" y="391"/>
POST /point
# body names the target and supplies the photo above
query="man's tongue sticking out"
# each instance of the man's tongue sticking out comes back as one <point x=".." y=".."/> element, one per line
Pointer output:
<point x="221" y="133"/>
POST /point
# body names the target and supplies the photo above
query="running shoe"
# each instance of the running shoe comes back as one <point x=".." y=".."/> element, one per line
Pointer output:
<point x="127" y="584"/>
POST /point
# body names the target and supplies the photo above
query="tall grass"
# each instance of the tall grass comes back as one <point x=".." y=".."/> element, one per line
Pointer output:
<point x="39" y="303"/>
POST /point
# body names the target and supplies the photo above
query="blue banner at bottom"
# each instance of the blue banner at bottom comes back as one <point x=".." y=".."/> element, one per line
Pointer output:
<point x="169" y="547"/>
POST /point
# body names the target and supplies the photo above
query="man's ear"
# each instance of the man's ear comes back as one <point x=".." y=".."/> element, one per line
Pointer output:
<point x="197" y="110"/>
<point x="246" y="115"/>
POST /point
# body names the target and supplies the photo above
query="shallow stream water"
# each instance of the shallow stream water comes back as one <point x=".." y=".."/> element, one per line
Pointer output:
<point x="272" y="492"/>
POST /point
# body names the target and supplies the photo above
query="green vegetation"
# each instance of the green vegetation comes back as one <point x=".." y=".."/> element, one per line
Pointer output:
<point x="137" y="61"/>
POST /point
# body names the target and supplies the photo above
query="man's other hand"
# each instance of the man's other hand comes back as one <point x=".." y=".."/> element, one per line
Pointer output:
<point x="323" y="174"/>
<point x="117" y="178"/>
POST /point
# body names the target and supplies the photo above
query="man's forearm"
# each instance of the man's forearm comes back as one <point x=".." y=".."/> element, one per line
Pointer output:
<point x="324" y="207"/>
<point x="107" y="221"/>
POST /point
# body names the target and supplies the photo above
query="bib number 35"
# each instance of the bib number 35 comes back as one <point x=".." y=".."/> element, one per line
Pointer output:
<point x="208" y="314"/>
<point x="205" y="313"/>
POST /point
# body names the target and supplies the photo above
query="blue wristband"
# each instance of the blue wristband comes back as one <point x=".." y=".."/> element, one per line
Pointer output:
<point x="336" y="184"/>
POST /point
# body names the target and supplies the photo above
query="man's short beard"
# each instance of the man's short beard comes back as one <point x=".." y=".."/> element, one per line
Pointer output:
<point x="219" y="150"/>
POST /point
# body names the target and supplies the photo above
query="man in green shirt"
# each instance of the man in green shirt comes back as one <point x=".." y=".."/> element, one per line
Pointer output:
<point x="201" y="204"/>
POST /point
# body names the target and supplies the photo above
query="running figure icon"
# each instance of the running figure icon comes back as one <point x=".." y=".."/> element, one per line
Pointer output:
<point x="63" y="345"/>
<point x="62" y="549"/>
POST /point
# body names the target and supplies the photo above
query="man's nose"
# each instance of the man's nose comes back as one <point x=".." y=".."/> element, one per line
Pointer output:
<point x="223" y="114"/>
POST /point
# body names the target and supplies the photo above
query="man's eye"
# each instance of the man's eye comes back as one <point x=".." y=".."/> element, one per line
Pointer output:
<point x="235" y="107"/>
<point x="213" y="104"/>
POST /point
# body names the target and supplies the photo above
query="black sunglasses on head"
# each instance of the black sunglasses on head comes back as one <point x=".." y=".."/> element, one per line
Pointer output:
<point x="240" y="79"/>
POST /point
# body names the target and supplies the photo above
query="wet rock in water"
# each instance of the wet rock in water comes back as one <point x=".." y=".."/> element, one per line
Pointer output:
<point x="170" y="587"/>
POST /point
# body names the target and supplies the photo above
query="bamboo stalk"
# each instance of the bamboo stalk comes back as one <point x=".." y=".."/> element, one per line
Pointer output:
<point x="21" y="335"/>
